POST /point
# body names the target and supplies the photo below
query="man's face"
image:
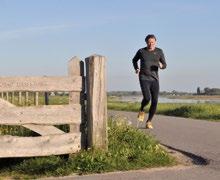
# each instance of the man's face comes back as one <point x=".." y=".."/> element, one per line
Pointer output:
<point x="151" y="43"/>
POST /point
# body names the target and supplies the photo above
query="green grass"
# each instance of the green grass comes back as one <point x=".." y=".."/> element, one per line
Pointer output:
<point x="16" y="131"/>
<point x="197" y="111"/>
<point x="128" y="148"/>
<point x="58" y="100"/>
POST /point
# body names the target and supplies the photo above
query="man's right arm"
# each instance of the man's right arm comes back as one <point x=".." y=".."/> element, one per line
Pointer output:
<point x="135" y="60"/>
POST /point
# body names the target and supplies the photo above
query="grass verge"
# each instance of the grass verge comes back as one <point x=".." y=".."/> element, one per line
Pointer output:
<point x="129" y="148"/>
<point x="197" y="111"/>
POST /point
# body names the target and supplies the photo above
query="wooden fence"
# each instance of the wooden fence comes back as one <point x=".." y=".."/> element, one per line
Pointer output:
<point x="86" y="113"/>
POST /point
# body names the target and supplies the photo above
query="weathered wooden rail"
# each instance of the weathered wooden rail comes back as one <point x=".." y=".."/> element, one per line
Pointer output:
<point x="86" y="113"/>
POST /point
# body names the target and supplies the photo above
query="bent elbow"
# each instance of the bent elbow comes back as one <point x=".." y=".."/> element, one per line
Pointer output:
<point x="164" y="66"/>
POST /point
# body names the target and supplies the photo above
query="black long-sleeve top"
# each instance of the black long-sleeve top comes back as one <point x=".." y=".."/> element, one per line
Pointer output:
<point x="149" y="62"/>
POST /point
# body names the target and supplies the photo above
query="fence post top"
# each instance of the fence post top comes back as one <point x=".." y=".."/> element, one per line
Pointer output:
<point x="95" y="56"/>
<point x="74" y="58"/>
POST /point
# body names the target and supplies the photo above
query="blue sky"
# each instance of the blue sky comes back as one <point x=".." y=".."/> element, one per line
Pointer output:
<point x="39" y="37"/>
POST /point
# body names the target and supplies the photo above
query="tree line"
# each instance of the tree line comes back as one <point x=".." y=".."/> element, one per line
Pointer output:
<point x="208" y="91"/>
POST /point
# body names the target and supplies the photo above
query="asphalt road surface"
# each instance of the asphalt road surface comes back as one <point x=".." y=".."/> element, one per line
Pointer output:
<point x="197" y="140"/>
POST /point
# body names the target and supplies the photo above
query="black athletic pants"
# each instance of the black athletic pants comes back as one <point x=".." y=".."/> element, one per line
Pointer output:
<point x="150" y="91"/>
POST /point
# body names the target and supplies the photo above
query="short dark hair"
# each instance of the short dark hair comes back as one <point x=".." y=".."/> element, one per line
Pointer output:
<point x="150" y="36"/>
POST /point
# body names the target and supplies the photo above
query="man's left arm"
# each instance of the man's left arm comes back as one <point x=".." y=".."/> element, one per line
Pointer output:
<point x="162" y="60"/>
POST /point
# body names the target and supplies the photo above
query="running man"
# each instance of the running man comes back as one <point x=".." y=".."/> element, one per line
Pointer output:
<point x="151" y="58"/>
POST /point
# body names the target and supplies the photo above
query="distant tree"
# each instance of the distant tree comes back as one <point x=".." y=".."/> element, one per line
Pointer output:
<point x="198" y="90"/>
<point x="206" y="90"/>
<point x="212" y="91"/>
<point x="133" y="93"/>
<point x="174" y="92"/>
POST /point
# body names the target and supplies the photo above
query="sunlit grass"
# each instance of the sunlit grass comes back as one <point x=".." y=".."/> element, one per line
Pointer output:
<point x="198" y="111"/>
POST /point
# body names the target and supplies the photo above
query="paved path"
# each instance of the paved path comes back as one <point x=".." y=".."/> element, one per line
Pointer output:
<point x="197" y="139"/>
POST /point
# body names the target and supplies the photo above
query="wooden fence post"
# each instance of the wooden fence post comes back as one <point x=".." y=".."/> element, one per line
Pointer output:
<point x="76" y="67"/>
<point x="96" y="101"/>
<point x="36" y="99"/>
<point x="26" y="98"/>
<point x="20" y="98"/>
<point x="46" y="98"/>
<point x="7" y="96"/>
<point x="12" y="97"/>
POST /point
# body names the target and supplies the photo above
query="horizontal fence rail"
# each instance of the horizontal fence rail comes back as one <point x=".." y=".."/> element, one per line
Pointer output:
<point x="37" y="84"/>
<point x="13" y="146"/>
<point x="48" y="115"/>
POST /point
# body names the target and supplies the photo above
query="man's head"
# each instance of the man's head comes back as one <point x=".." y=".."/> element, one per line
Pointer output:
<point x="151" y="41"/>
